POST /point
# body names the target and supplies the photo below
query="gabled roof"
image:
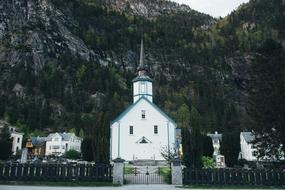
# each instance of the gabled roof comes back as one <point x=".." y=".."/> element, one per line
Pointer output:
<point x="133" y="105"/>
<point x="65" y="136"/>
<point x="38" y="141"/>
<point x="248" y="136"/>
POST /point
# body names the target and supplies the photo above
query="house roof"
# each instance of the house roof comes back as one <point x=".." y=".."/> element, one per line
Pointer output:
<point x="65" y="136"/>
<point x="248" y="136"/>
<point x="38" y="141"/>
<point x="133" y="105"/>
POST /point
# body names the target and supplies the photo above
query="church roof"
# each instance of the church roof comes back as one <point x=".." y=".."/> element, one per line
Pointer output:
<point x="133" y="105"/>
<point x="142" y="78"/>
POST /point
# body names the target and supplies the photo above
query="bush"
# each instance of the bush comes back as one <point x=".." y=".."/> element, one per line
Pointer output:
<point x="72" y="154"/>
<point x="208" y="162"/>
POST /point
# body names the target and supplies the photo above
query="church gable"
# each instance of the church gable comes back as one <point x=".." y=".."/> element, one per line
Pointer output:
<point x="143" y="140"/>
<point x="133" y="106"/>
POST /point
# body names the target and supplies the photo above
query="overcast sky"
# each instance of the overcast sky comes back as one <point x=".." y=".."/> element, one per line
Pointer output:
<point x="214" y="8"/>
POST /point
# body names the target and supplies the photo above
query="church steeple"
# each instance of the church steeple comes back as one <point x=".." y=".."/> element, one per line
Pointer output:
<point x="142" y="84"/>
<point x="142" y="69"/>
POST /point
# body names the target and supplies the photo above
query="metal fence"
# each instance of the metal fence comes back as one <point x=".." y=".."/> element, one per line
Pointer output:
<point x="56" y="172"/>
<point x="233" y="177"/>
<point x="145" y="175"/>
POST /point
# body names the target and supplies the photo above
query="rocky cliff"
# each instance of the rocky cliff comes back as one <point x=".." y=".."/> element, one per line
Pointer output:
<point x="57" y="55"/>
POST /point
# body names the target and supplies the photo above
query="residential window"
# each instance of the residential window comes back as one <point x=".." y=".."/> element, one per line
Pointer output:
<point x="56" y="147"/>
<point x="18" y="140"/>
<point x="143" y="114"/>
<point x="131" y="130"/>
<point x="155" y="129"/>
<point x="56" y="139"/>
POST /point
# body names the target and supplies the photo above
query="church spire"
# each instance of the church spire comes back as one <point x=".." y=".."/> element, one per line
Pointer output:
<point x="142" y="83"/>
<point x="142" y="69"/>
<point x="142" y="54"/>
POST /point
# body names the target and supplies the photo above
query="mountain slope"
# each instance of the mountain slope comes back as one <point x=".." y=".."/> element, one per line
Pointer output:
<point x="69" y="64"/>
<point x="145" y="8"/>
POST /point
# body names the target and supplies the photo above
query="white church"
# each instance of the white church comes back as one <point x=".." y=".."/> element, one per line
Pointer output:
<point x="143" y="129"/>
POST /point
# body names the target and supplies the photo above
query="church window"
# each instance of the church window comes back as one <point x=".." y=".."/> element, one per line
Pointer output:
<point x="143" y="87"/>
<point x="131" y="130"/>
<point x="18" y="140"/>
<point x="143" y="114"/>
<point x="155" y="128"/>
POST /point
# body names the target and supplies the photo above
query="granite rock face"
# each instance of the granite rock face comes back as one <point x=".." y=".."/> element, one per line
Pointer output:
<point x="31" y="31"/>
<point x="147" y="8"/>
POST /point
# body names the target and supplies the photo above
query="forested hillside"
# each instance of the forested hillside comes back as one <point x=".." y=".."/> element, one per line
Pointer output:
<point x="68" y="65"/>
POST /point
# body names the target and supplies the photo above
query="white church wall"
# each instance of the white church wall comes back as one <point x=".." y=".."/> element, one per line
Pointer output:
<point x="129" y="148"/>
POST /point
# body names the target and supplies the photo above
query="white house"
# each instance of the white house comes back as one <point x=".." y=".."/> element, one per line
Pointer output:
<point x="17" y="137"/>
<point x="17" y="140"/>
<point x="59" y="143"/>
<point x="142" y="130"/>
<point x="246" y="146"/>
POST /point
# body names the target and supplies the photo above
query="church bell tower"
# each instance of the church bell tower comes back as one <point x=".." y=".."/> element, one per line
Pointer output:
<point x="142" y="84"/>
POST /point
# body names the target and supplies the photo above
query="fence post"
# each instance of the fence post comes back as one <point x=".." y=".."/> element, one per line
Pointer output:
<point x="176" y="172"/>
<point x="118" y="171"/>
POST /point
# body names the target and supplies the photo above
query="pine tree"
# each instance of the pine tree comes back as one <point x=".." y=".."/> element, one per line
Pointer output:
<point x="230" y="145"/>
<point x="266" y="99"/>
<point x="5" y="143"/>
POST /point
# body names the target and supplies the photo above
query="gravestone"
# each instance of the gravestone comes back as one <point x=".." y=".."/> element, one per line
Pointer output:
<point x="24" y="155"/>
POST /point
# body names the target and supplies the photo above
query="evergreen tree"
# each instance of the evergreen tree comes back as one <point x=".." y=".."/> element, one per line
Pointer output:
<point x="86" y="150"/>
<point x="5" y="143"/>
<point x="230" y="145"/>
<point x="266" y="99"/>
<point x="196" y="142"/>
<point x="183" y="116"/>
<point x="207" y="146"/>
<point x="191" y="136"/>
